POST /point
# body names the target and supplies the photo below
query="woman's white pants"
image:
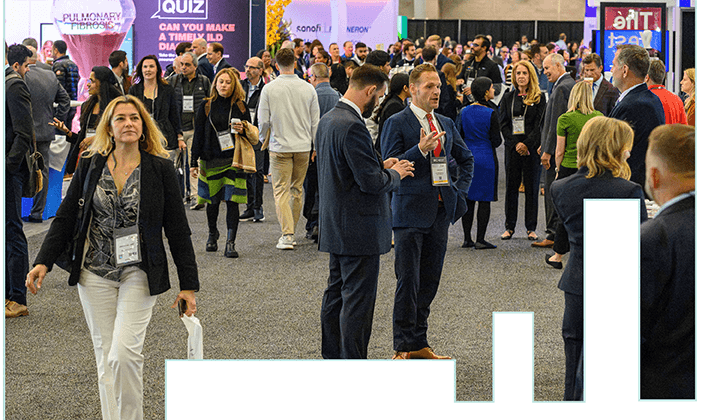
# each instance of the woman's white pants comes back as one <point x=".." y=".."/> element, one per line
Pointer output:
<point x="117" y="314"/>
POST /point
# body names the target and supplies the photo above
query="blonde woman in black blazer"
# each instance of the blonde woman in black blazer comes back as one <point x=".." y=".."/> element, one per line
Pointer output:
<point x="124" y="192"/>
<point x="603" y="172"/>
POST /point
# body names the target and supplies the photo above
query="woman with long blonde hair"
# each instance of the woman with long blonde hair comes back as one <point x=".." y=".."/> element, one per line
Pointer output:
<point x="152" y="140"/>
<point x="688" y="86"/>
<point x="122" y="198"/>
<point x="521" y="114"/>
<point x="212" y="155"/>
<point x="569" y="126"/>
<point x="603" y="172"/>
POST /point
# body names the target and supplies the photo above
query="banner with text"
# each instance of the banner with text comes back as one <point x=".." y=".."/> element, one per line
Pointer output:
<point x="641" y="25"/>
<point x="372" y="22"/>
<point x="162" y="24"/>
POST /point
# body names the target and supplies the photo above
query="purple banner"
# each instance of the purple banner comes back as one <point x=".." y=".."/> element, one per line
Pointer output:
<point x="162" y="24"/>
<point x="370" y="21"/>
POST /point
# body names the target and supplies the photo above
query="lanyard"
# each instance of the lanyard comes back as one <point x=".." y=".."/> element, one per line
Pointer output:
<point x="513" y="98"/>
<point x="228" y="122"/>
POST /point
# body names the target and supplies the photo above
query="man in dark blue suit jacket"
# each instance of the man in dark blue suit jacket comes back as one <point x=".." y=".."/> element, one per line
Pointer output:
<point x="636" y="105"/>
<point x="354" y="214"/>
<point x="668" y="267"/>
<point x="422" y="212"/>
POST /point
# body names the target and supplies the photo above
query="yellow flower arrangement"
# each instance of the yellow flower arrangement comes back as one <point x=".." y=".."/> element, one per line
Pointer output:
<point x="276" y="29"/>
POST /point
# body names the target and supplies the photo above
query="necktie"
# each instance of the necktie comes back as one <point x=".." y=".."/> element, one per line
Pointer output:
<point x="433" y="130"/>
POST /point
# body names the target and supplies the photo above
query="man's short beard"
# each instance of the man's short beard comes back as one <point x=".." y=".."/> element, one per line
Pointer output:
<point x="369" y="107"/>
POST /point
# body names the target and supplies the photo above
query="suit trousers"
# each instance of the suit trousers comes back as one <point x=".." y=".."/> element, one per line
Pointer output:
<point x="551" y="216"/>
<point x="254" y="182"/>
<point x="420" y="253"/>
<point x="310" y="208"/>
<point x="117" y="314"/>
<point x="348" y="306"/>
<point x="561" y="244"/>
<point x="288" y="171"/>
<point x="16" y="254"/>
<point x="573" y="341"/>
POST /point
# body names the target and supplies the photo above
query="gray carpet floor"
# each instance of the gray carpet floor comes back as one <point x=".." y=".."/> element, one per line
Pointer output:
<point x="265" y="305"/>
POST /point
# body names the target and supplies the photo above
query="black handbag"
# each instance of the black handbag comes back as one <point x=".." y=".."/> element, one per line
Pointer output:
<point x="66" y="258"/>
<point x="35" y="164"/>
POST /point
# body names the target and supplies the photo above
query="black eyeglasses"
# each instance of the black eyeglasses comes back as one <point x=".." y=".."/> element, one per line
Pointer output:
<point x="251" y="67"/>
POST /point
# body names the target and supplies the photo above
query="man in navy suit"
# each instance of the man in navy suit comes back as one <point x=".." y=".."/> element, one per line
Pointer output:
<point x="215" y="55"/>
<point x="199" y="48"/>
<point x="423" y="207"/>
<point x="636" y="105"/>
<point x="668" y="267"/>
<point x="354" y="214"/>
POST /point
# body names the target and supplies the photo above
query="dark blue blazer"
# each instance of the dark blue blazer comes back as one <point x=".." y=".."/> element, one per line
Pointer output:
<point x="567" y="195"/>
<point x="668" y="297"/>
<point x="354" y="187"/>
<point x="415" y="204"/>
<point x="644" y="112"/>
<point x="204" y="67"/>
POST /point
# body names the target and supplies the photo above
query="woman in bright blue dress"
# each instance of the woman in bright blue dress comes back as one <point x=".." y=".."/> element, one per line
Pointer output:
<point x="479" y="127"/>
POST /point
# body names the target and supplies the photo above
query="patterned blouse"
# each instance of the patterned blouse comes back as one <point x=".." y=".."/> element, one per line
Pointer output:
<point x="110" y="210"/>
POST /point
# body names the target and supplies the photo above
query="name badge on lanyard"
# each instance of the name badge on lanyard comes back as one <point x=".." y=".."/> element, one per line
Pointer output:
<point x="127" y="245"/>
<point x="438" y="171"/>
<point x="225" y="140"/>
<point x="90" y="132"/>
<point x="517" y="123"/>
<point x="188" y="103"/>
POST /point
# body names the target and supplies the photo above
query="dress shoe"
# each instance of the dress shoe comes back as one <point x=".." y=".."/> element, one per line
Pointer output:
<point x="315" y="233"/>
<point x="555" y="264"/>
<point x="197" y="206"/>
<point x="484" y="245"/>
<point x="14" y="309"/>
<point x="211" y="245"/>
<point x="546" y="243"/>
<point x="426" y="353"/>
<point x="401" y="355"/>
<point x="467" y="244"/>
<point x="31" y="219"/>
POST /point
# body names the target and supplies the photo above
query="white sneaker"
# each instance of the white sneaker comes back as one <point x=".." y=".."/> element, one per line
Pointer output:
<point x="285" y="242"/>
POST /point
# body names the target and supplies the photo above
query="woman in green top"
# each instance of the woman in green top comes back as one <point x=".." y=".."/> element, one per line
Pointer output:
<point x="580" y="111"/>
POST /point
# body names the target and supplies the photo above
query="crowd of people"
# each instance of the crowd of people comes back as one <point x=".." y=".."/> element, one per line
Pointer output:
<point x="367" y="146"/>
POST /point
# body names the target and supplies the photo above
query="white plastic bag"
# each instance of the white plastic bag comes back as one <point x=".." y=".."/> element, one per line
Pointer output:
<point x="195" y="349"/>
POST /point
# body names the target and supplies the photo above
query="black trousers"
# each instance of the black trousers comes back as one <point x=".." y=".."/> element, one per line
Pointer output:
<point x="551" y="215"/>
<point x="483" y="214"/>
<point x="311" y="204"/>
<point x="254" y="182"/>
<point x="516" y="165"/>
<point x="561" y="244"/>
<point x="573" y="343"/>
<point x="348" y="306"/>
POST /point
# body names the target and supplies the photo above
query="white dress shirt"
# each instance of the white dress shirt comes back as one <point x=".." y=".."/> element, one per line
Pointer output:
<point x="421" y="115"/>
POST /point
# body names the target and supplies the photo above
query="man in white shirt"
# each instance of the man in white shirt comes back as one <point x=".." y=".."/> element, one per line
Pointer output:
<point x="288" y="116"/>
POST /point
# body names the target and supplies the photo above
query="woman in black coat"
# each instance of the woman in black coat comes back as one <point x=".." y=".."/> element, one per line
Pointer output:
<point x="524" y="105"/>
<point x="161" y="102"/>
<point x="212" y="155"/>
<point x="122" y="198"/>
<point x="102" y="91"/>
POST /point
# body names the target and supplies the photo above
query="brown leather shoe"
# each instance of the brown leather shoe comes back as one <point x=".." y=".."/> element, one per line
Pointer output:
<point x="426" y="353"/>
<point x="401" y="355"/>
<point x="14" y="309"/>
<point x="546" y="243"/>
